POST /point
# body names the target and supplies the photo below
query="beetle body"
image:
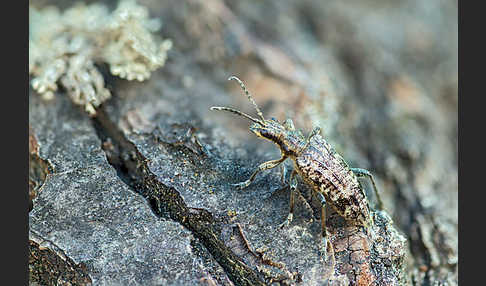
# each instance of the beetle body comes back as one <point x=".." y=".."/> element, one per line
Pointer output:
<point x="327" y="172"/>
<point x="318" y="164"/>
<point x="321" y="167"/>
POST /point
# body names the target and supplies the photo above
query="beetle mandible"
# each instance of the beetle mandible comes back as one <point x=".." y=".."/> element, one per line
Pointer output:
<point x="317" y="163"/>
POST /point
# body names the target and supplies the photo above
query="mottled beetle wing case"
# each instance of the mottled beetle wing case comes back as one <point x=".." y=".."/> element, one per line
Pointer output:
<point x="328" y="173"/>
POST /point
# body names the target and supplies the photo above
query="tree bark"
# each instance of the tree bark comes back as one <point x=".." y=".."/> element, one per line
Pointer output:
<point x="142" y="193"/>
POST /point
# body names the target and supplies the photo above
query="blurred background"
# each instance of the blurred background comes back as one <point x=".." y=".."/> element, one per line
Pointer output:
<point x="379" y="77"/>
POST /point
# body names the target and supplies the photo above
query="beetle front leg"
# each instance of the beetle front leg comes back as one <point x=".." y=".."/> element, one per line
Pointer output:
<point x="293" y="188"/>
<point x="264" y="166"/>
<point x="365" y="173"/>
<point x="283" y="173"/>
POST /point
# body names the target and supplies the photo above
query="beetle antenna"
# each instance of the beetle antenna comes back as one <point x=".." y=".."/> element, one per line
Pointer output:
<point x="249" y="96"/>
<point x="220" y="108"/>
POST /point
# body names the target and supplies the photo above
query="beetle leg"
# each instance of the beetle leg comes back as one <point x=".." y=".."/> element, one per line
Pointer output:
<point x="365" y="173"/>
<point x="323" y="223"/>
<point x="289" y="124"/>
<point x="264" y="166"/>
<point x="313" y="133"/>
<point x="323" y="214"/>
<point x="293" y="188"/>
<point x="283" y="172"/>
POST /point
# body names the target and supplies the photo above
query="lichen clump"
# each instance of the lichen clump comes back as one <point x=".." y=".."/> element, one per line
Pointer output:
<point x="64" y="48"/>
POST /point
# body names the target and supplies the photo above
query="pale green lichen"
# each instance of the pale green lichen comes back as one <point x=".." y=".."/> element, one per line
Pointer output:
<point x="64" y="47"/>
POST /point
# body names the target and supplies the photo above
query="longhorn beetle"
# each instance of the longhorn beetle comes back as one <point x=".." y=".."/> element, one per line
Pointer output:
<point x="318" y="164"/>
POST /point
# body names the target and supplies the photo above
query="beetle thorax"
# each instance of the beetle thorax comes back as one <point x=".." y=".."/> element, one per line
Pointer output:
<point x="291" y="145"/>
<point x="290" y="142"/>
